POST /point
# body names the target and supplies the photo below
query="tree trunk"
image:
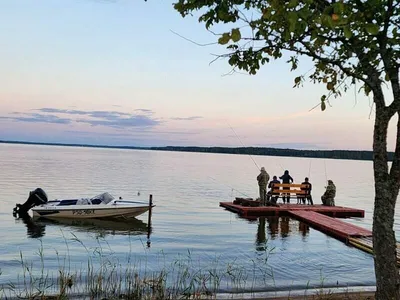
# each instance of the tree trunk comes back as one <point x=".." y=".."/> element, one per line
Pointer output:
<point x="386" y="191"/>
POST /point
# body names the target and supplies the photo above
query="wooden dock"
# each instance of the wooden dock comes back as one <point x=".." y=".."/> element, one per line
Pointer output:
<point x="283" y="210"/>
<point x="337" y="228"/>
<point x="319" y="217"/>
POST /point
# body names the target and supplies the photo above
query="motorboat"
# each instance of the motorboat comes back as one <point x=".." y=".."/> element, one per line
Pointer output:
<point x="102" y="206"/>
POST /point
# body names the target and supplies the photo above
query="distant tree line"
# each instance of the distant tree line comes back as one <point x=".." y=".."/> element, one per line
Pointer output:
<point x="335" y="154"/>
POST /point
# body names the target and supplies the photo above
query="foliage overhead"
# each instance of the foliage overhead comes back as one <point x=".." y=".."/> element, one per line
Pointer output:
<point x="348" y="40"/>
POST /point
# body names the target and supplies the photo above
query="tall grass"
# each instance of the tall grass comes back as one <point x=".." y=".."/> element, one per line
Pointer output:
<point x="104" y="276"/>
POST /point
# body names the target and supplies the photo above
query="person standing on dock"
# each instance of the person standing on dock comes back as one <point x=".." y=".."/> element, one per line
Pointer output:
<point x="263" y="179"/>
<point x="307" y="195"/>
<point x="328" y="198"/>
<point x="286" y="178"/>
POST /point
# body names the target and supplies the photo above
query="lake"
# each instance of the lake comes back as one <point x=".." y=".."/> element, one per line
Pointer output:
<point x="187" y="223"/>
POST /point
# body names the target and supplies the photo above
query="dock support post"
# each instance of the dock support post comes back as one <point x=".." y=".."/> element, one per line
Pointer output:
<point x="149" y="220"/>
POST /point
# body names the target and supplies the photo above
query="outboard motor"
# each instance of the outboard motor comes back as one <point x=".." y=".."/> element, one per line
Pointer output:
<point x="36" y="197"/>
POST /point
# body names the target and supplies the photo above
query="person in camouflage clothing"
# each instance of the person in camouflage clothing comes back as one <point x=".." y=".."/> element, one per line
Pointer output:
<point x="328" y="198"/>
<point x="263" y="179"/>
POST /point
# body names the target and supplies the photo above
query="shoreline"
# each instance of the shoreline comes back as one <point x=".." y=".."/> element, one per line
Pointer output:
<point x="363" y="155"/>
<point x="348" y="293"/>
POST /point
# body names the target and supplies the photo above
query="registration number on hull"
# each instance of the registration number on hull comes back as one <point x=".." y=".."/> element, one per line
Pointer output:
<point x="83" y="212"/>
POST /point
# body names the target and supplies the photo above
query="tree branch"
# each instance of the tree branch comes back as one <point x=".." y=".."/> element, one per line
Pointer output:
<point x="193" y="42"/>
<point x="326" y="60"/>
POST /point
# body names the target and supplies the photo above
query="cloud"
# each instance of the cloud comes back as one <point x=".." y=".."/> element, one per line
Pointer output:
<point x="187" y="118"/>
<point x="115" y="119"/>
<point x="137" y="132"/>
<point x="145" y="110"/>
<point x="94" y="113"/>
<point x="108" y="115"/>
<point x="40" y="118"/>
<point x="119" y="122"/>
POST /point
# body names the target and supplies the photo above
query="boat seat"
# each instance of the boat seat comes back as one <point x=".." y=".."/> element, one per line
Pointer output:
<point x="83" y="201"/>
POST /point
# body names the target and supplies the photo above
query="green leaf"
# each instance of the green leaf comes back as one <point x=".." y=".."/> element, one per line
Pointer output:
<point x="338" y="7"/>
<point x="303" y="13"/>
<point x="224" y="39"/>
<point x="292" y="17"/>
<point x="367" y="89"/>
<point x="293" y="3"/>
<point x="372" y="29"/>
<point x="323" y="105"/>
<point x="297" y="81"/>
<point x="235" y="35"/>
<point x="347" y="32"/>
<point x="314" y="35"/>
<point x="387" y="78"/>
<point x="329" y="86"/>
<point x="266" y="13"/>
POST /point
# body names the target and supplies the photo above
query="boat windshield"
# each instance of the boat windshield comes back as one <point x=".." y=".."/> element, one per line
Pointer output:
<point x="104" y="198"/>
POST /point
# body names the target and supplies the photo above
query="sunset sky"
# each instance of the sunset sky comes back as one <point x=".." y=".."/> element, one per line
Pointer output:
<point x="112" y="72"/>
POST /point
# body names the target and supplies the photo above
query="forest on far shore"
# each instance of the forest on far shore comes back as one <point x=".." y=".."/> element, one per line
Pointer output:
<point x="334" y="154"/>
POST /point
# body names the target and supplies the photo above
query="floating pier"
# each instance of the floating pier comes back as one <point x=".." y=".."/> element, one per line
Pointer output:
<point x="283" y="210"/>
<point x="322" y="218"/>
<point x="337" y="228"/>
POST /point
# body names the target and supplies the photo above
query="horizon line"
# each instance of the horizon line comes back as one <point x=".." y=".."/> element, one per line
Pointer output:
<point x="168" y="146"/>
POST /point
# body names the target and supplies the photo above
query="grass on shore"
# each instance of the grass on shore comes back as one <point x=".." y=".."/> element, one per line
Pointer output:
<point x="104" y="277"/>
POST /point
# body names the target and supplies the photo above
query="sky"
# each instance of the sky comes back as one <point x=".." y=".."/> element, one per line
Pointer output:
<point x="113" y="72"/>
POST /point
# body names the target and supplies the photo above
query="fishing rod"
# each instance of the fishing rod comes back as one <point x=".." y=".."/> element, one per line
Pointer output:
<point x="258" y="168"/>
<point x="233" y="189"/>
<point x="326" y="175"/>
<point x="309" y="169"/>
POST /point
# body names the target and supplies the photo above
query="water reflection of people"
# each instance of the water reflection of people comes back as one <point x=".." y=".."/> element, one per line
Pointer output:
<point x="273" y="226"/>
<point x="261" y="240"/>
<point x="304" y="229"/>
<point x="277" y="225"/>
<point x="284" y="224"/>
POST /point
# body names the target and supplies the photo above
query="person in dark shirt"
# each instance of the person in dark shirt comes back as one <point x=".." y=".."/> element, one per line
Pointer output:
<point x="286" y="178"/>
<point x="271" y="195"/>
<point x="307" y="195"/>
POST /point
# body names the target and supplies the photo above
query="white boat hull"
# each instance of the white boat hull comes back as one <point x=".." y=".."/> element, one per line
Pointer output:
<point x="90" y="211"/>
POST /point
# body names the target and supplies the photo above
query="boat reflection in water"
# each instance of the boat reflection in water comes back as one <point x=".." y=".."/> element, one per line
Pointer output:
<point x="36" y="227"/>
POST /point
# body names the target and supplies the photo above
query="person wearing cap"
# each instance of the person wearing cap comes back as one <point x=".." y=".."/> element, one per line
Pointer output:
<point x="263" y="179"/>
<point x="328" y="198"/>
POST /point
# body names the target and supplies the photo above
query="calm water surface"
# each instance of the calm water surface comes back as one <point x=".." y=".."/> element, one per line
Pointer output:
<point x="187" y="222"/>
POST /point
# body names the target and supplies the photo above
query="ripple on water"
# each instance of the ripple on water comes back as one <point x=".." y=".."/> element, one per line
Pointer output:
<point x="187" y="222"/>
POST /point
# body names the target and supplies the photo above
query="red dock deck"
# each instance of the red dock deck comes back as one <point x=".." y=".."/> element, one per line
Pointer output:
<point x="319" y="217"/>
<point x="332" y="226"/>
<point x="283" y="210"/>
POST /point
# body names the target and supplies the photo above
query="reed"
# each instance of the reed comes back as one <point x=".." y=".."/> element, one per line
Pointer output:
<point x="103" y="276"/>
